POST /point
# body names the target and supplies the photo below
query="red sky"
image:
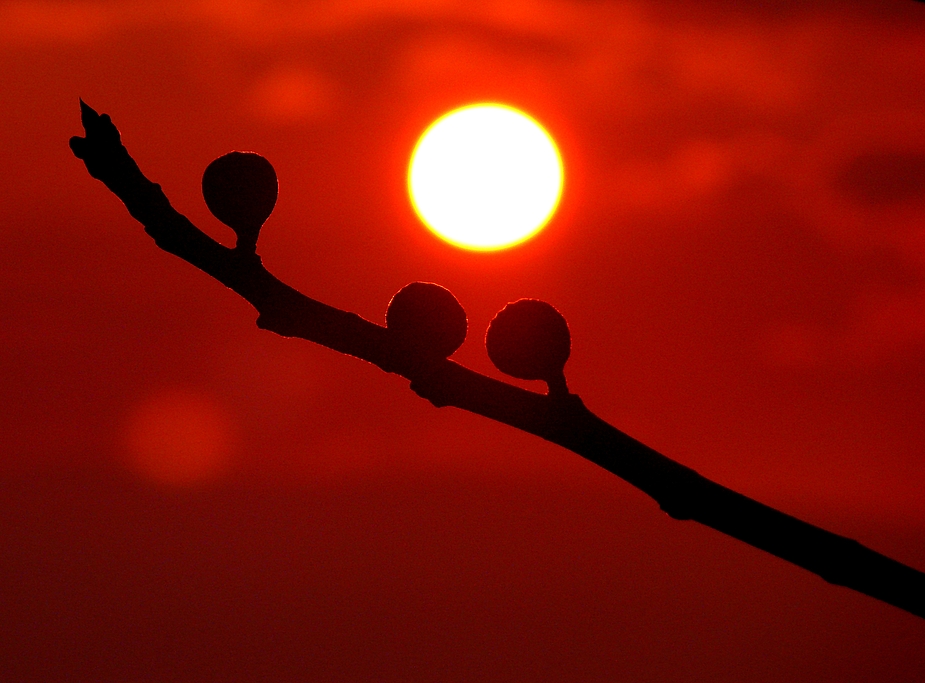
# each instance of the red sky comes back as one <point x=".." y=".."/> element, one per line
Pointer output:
<point x="740" y="254"/>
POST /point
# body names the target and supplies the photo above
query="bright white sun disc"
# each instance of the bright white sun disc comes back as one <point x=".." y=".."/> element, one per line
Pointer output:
<point x="485" y="177"/>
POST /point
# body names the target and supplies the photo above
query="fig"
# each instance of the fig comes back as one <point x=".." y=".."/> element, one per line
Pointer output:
<point x="529" y="339"/>
<point x="240" y="189"/>
<point x="428" y="318"/>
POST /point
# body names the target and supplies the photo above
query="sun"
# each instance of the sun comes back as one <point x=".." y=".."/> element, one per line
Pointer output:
<point x="485" y="177"/>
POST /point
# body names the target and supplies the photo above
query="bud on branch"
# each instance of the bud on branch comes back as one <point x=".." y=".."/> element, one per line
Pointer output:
<point x="528" y="339"/>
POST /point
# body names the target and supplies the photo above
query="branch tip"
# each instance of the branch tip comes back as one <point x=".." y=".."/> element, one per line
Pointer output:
<point x="88" y="114"/>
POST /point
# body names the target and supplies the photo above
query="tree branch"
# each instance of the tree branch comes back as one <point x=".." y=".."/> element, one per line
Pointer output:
<point x="558" y="417"/>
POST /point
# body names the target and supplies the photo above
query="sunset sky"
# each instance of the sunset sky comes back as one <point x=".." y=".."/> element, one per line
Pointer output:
<point x="739" y="252"/>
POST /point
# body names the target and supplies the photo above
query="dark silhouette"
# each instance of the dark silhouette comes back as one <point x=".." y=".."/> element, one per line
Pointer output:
<point x="240" y="189"/>
<point x="426" y="319"/>
<point x="527" y="339"/>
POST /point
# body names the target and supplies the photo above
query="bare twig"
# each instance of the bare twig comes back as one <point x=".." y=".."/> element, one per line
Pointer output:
<point x="559" y="417"/>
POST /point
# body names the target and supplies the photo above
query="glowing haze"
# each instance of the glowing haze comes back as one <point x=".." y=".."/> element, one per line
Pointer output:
<point x="739" y="251"/>
<point x="485" y="177"/>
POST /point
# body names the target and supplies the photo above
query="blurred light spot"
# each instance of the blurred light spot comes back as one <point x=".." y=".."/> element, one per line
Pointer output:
<point x="293" y="95"/>
<point x="758" y="69"/>
<point x="179" y="437"/>
<point x="702" y="166"/>
<point x="698" y="168"/>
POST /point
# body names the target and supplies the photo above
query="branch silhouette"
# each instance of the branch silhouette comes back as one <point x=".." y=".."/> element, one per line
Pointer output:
<point x="528" y="339"/>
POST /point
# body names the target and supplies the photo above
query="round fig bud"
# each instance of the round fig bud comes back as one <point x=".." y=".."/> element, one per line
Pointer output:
<point x="529" y="339"/>
<point x="427" y="318"/>
<point x="240" y="189"/>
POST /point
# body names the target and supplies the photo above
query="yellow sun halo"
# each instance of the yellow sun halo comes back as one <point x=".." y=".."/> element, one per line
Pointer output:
<point x="485" y="177"/>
